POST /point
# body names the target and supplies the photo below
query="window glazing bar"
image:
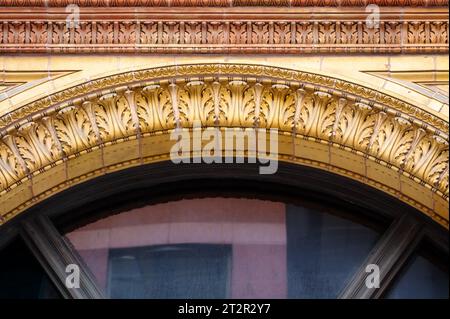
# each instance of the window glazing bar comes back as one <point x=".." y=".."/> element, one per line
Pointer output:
<point x="55" y="254"/>
<point x="389" y="255"/>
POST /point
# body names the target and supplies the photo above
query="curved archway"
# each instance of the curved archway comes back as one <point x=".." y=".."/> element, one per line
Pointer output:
<point x="125" y="120"/>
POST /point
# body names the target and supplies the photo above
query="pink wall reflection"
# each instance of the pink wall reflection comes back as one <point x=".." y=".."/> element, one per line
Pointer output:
<point x="255" y="229"/>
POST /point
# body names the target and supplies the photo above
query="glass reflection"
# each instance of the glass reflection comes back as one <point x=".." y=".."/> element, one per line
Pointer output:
<point x="223" y="248"/>
<point x="161" y="271"/>
<point x="421" y="279"/>
<point x="323" y="252"/>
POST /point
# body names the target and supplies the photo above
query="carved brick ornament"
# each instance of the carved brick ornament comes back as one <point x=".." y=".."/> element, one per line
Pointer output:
<point x="222" y="3"/>
<point x="244" y="30"/>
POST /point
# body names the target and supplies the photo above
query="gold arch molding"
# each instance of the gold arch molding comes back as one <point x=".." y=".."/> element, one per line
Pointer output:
<point x="125" y="120"/>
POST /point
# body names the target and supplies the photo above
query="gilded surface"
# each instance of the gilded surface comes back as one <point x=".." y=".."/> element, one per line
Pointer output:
<point x="114" y="112"/>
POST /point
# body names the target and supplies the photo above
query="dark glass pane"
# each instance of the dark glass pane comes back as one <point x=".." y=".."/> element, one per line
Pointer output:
<point x="170" y="271"/>
<point x="421" y="279"/>
<point x="21" y="276"/>
<point x="323" y="252"/>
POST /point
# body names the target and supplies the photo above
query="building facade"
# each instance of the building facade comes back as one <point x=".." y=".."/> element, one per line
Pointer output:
<point x="224" y="148"/>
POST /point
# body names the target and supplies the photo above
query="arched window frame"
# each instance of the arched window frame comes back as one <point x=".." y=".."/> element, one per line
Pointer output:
<point x="39" y="229"/>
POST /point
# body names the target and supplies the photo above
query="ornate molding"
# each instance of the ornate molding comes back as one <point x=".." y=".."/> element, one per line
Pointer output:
<point x="343" y="88"/>
<point x="340" y="119"/>
<point x="234" y="30"/>
<point x="221" y="3"/>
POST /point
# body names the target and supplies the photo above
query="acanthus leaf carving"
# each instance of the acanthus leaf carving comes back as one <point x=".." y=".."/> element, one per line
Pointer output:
<point x="233" y="101"/>
<point x="74" y="129"/>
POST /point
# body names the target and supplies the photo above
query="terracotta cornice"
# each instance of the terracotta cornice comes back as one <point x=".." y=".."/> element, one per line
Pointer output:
<point x="221" y="3"/>
<point x="225" y="30"/>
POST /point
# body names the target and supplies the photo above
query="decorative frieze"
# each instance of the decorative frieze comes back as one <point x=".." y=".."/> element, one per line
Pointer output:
<point x="291" y="32"/>
<point x="221" y="3"/>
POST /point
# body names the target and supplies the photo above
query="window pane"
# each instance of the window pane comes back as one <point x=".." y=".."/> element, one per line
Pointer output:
<point x="223" y="248"/>
<point x="170" y="271"/>
<point x="421" y="279"/>
<point x="21" y="276"/>
<point x="323" y="252"/>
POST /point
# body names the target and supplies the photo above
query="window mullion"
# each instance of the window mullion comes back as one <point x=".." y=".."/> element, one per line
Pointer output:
<point x="55" y="254"/>
<point x="389" y="254"/>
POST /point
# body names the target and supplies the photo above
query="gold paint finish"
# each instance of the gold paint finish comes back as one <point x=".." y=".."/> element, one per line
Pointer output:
<point x="125" y="120"/>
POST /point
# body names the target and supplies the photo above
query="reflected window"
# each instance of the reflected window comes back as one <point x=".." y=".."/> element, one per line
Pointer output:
<point x="223" y="248"/>
<point x="161" y="271"/>
<point x="21" y="275"/>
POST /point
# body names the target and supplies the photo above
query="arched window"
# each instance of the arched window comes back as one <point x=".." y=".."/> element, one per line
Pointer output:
<point x="134" y="237"/>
